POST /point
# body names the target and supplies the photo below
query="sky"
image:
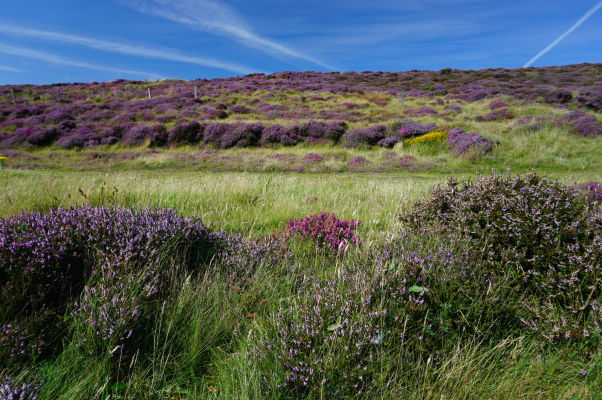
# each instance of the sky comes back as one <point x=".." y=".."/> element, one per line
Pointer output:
<point x="56" y="41"/>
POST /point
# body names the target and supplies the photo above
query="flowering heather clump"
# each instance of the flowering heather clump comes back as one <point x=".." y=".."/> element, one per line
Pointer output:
<point x="431" y="137"/>
<point x="452" y="108"/>
<point x="331" y="339"/>
<point x="497" y="104"/>
<point x="329" y="342"/>
<point x="11" y="391"/>
<point x="240" y="257"/>
<point x="462" y="143"/>
<point x="558" y="96"/>
<point x="186" y="133"/>
<point x="582" y="123"/>
<point x="535" y="232"/>
<point x="241" y="135"/>
<point x="47" y="260"/>
<point x="498" y="114"/>
<point x="389" y="142"/>
<point x="358" y="161"/>
<point x="137" y="134"/>
<point x="43" y="137"/>
<point x="421" y="112"/>
<point x="240" y="109"/>
<point x="592" y="191"/>
<point x="313" y="157"/>
<point x="326" y="230"/>
<point x="407" y="162"/>
<point x="323" y="130"/>
<point x="365" y="137"/>
<point x="278" y="134"/>
<point x="408" y="128"/>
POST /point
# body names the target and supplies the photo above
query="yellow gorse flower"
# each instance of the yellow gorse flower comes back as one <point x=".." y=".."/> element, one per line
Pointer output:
<point x="3" y="158"/>
<point x="434" y="136"/>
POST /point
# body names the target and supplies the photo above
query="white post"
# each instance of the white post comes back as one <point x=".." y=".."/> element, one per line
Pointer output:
<point x="196" y="92"/>
<point x="12" y="95"/>
<point x="149" y="94"/>
<point x="401" y="98"/>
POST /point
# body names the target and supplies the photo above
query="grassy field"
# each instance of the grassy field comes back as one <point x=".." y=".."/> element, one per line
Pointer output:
<point x="201" y="338"/>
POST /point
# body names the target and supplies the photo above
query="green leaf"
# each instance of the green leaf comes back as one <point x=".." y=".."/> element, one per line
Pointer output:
<point x="418" y="289"/>
<point x="333" y="327"/>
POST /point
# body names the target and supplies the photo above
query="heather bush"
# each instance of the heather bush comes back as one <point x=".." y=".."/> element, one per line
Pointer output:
<point x="76" y="139"/>
<point x="364" y="137"/>
<point x="498" y="114"/>
<point x="137" y="134"/>
<point x="453" y="108"/>
<point x="9" y="390"/>
<point x="277" y="134"/>
<point x="159" y="137"/>
<point x="186" y="133"/>
<point x="535" y="233"/>
<point x="408" y="128"/>
<point x="497" y="104"/>
<point x="389" y="142"/>
<point x="334" y="339"/>
<point x="592" y="192"/>
<point x="461" y="142"/>
<point x="322" y="130"/>
<point x="240" y="109"/>
<point x="110" y="257"/>
<point x="241" y="135"/>
<point x="313" y="158"/>
<point x="325" y="230"/>
<point x="359" y="160"/>
<point x="43" y="137"/>
<point x="213" y="132"/>
<point x="57" y="116"/>
<point x="582" y="123"/>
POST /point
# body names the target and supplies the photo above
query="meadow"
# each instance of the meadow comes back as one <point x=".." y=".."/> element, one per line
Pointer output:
<point x="304" y="236"/>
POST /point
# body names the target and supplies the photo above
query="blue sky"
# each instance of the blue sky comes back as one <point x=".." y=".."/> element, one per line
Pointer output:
<point x="98" y="40"/>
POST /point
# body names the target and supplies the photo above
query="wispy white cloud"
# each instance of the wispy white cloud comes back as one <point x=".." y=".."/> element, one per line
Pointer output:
<point x="10" y="69"/>
<point x="560" y="38"/>
<point x="54" y="59"/>
<point x="141" y="51"/>
<point x="218" y="18"/>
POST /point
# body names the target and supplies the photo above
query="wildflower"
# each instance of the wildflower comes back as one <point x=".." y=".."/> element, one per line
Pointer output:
<point x="433" y="136"/>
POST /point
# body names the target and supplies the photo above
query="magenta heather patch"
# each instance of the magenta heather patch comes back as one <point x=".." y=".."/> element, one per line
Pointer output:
<point x="325" y="230"/>
<point x="313" y="157"/>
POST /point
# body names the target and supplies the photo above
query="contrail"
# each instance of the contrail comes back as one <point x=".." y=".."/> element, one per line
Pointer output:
<point x="577" y="24"/>
<point x="216" y="17"/>
<point x="51" y="58"/>
<point x="140" y="51"/>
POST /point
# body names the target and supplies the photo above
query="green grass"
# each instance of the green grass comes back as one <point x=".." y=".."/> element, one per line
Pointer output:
<point x="202" y="333"/>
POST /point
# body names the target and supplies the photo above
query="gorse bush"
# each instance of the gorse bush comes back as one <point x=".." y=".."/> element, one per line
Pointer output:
<point x="431" y="137"/>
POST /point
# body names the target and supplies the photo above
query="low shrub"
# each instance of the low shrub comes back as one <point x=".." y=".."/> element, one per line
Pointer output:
<point x="461" y="142"/>
<point x="431" y="137"/>
<point x="409" y="128"/>
<point x="111" y="257"/>
<point x="365" y="137"/>
<point x="537" y="234"/>
<point x="325" y="230"/>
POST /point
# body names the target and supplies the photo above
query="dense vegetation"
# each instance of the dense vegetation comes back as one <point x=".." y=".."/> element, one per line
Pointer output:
<point x="165" y="240"/>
